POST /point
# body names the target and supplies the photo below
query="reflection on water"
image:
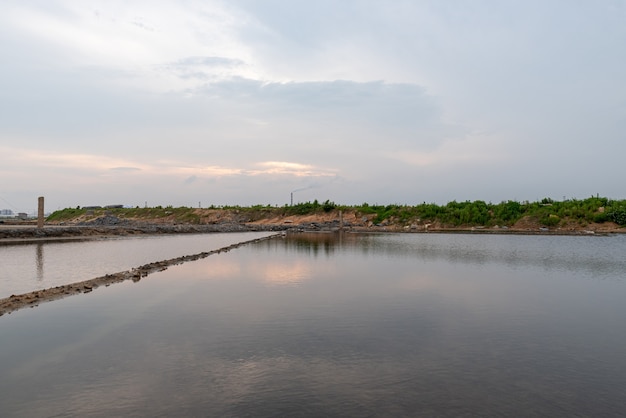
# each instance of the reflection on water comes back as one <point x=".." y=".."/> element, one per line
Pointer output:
<point x="599" y="256"/>
<point x="39" y="261"/>
<point x="36" y="266"/>
<point x="323" y="325"/>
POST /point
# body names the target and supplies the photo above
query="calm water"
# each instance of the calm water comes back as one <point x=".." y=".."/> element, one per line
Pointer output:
<point x="28" y="267"/>
<point x="327" y="325"/>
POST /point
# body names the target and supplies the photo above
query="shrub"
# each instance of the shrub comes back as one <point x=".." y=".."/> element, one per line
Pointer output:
<point x="551" y="220"/>
<point x="328" y="206"/>
<point x="619" y="216"/>
<point x="600" y="218"/>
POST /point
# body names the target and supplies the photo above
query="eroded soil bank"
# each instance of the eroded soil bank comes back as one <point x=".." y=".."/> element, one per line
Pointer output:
<point x="225" y="221"/>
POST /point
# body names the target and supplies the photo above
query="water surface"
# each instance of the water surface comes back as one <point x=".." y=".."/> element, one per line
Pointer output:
<point x="42" y="265"/>
<point x="328" y="325"/>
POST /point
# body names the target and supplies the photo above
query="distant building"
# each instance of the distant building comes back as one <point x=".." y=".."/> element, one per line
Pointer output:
<point x="22" y="215"/>
<point x="6" y="212"/>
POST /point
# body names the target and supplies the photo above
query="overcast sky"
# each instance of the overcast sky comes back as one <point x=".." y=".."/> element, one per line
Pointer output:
<point x="245" y="101"/>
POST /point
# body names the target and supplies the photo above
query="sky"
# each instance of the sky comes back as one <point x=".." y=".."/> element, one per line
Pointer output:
<point x="244" y="102"/>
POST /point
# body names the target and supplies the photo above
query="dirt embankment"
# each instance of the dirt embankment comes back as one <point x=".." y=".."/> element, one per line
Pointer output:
<point x="221" y="220"/>
<point x="353" y="221"/>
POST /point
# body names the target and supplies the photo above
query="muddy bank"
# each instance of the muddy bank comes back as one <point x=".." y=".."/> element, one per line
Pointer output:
<point x="32" y="299"/>
<point x="26" y="235"/>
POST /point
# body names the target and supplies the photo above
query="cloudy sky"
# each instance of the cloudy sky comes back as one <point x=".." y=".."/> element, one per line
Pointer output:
<point x="189" y="103"/>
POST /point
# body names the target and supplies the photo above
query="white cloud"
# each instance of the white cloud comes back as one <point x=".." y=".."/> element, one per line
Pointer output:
<point x="78" y="169"/>
<point x="293" y="169"/>
<point x="467" y="152"/>
<point x="138" y="38"/>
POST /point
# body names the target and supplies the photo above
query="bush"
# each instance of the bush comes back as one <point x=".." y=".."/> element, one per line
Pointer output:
<point x="328" y="206"/>
<point x="551" y="220"/>
<point x="619" y="216"/>
<point x="600" y="218"/>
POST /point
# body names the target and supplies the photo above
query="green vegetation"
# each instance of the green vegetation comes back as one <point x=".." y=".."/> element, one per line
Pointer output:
<point x="308" y="208"/>
<point x="546" y="212"/>
<point x="478" y="213"/>
<point x="66" y="214"/>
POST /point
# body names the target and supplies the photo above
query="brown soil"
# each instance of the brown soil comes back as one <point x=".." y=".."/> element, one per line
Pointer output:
<point x="217" y="220"/>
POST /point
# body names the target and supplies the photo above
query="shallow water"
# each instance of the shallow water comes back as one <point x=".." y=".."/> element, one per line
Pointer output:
<point x="36" y="266"/>
<point x="328" y="325"/>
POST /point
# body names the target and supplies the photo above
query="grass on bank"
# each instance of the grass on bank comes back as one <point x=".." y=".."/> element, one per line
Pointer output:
<point x="547" y="212"/>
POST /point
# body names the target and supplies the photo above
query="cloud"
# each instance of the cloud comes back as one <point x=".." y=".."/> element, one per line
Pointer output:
<point x="76" y="178"/>
<point x="141" y="39"/>
<point x="247" y="100"/>
<point x="30" y="158"/>
<point x="199" y="61"/>
<point x="125" y="169"/>
<point x="205" y="68"/>
<point x="205" y="171"/>
<point x="22" y="159"/>
<point x="469" y="151"/>
<point x="402" y="113"/>
<point x="292" y="169"/>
